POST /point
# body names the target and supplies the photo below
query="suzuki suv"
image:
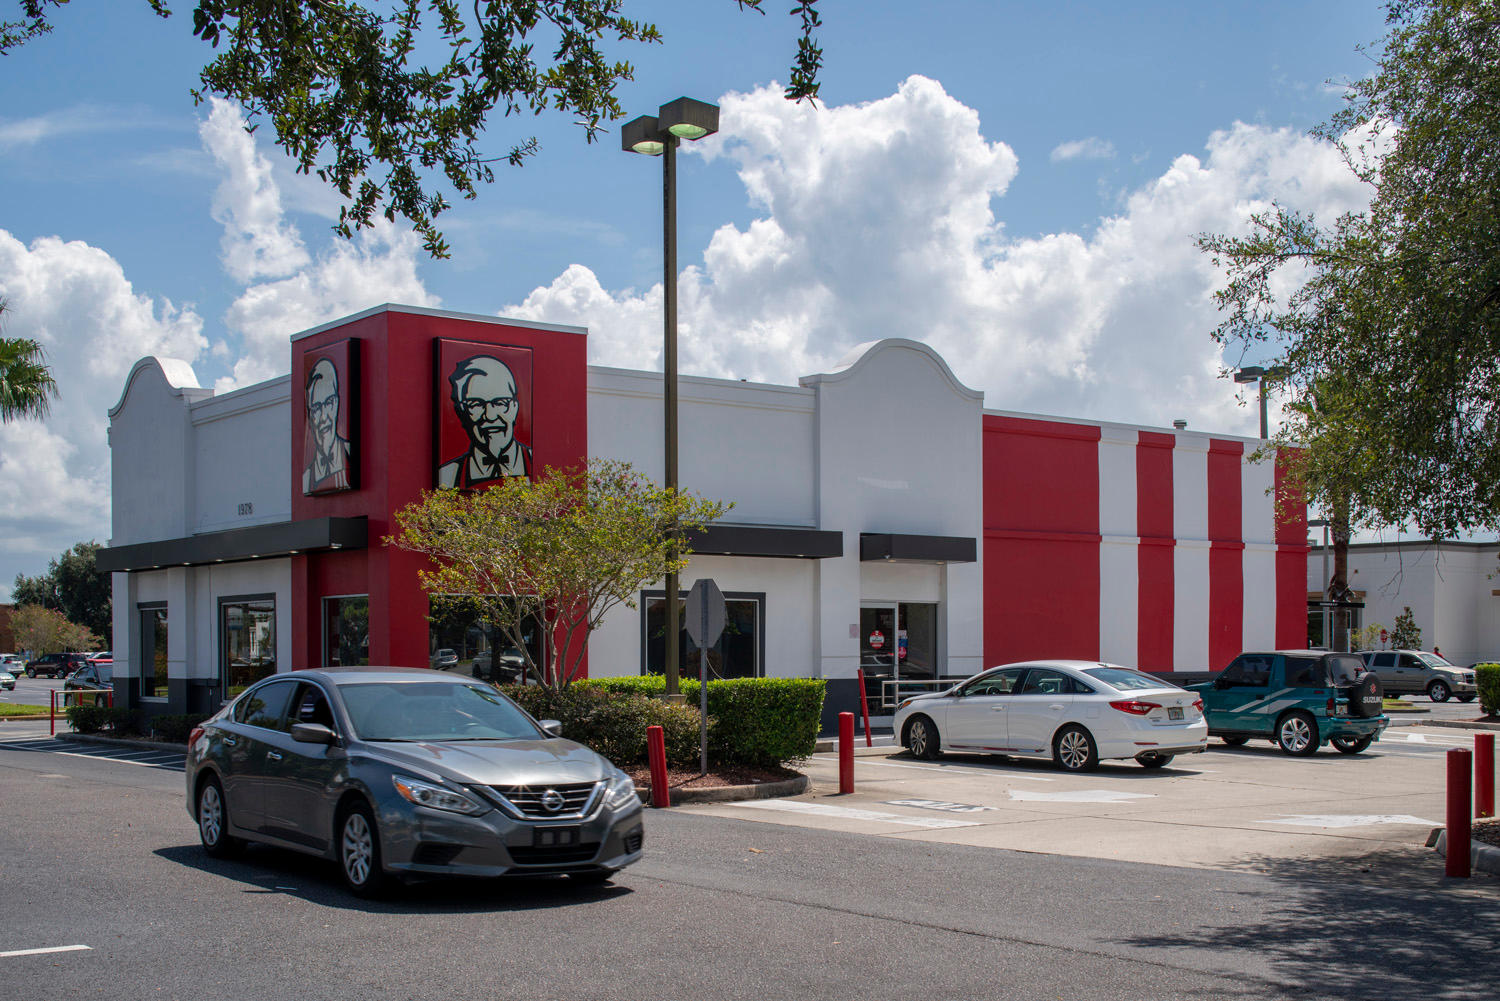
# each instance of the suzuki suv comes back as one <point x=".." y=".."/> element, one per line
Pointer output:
<point x="1297" y="699"/>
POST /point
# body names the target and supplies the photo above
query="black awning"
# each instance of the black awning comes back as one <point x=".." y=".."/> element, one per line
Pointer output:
<point x="917" y="548"/>
<point x="260" y="541"/>
<point x="767" y="540"/>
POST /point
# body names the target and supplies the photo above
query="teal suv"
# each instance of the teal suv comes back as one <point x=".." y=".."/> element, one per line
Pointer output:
<point x="1297" y="699"/>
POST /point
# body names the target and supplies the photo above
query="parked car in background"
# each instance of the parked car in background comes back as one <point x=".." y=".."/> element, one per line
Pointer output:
<point x="1412" y="672"/>
<point x="443" y="659"/>
<point x="1297" y="699"/>
<point x="12" y="662"/>
<point x="1076" y="712"/>
<point x="102" y="655"/>
<point x="98" y="676"/>
<point x="55" y="665"/>
<point x="508" y="668"/>
<point x="395" y="772"/>
<point x="7" y="681"/>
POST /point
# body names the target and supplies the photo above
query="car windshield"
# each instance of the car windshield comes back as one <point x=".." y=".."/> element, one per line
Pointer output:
<point x="1433" y="660"/>
<point x="1122" y="680"/>
<point x="434" y="711"/>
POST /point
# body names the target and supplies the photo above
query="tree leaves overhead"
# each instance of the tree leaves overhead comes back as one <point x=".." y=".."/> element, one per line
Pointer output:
<point x="1391" y="330"/>
<point x="388" y="100"/>
<point x="27" y="387"/>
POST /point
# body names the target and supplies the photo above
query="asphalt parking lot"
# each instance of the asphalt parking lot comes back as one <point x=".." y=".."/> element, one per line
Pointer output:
<point x="1228" y="808"/>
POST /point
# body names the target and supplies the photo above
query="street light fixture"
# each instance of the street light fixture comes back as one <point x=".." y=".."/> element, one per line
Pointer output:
<point x="1255" y="373"/>
<point x="660" y="135"/>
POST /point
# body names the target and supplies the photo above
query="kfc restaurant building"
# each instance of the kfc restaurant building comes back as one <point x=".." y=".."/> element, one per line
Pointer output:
<point x="883" y="519"/>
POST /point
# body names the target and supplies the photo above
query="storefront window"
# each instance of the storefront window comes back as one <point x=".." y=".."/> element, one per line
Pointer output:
<point x="346" y="631"/>
<point x="247" y="627"/>
<point x="736" y="655"/>
<point x="462" y="640"/>
<point x="154" y="651"/>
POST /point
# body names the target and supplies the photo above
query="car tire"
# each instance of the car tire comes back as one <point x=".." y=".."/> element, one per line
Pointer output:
<point x="31" y="672"/>
<point x="213" y="821"/>
<point x="1466" y="698"/>
<point x="1439" y="691"/>
<point x="1352" y="745"/>
<point x="1235" y="741"/>
<point x="923" y="740"/>
<point x="1297" y="734"/>
<point x="1155" y="760"/>
<point x="1073" y="749"/>
<point x="358" y="844"/>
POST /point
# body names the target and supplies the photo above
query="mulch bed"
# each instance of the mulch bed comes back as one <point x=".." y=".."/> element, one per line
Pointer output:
<point x="1487" y="831"/>
<point x="717" y="777"/>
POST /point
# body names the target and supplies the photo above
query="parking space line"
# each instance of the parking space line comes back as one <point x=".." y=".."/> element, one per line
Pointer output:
<point x="46" y="951"/>
<point x="850" y="813"/>
<point x="937" y="768"/>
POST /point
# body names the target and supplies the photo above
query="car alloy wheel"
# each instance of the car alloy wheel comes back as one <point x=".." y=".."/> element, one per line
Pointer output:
<point x="1297" y="734"/>
<point x="359" y="852"/>
<point x="922" y="738"/>
<point x="213" y="821"/>
<point x="1073" y="750"/>
<point x="1438" y="691"/>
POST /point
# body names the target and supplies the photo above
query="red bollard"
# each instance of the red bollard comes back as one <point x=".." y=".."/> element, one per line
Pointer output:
<point x="1484" y="775"/>
<point x="1459" y="764"/>
<point x="846" y="752"/>
<point x="656" y="753"/>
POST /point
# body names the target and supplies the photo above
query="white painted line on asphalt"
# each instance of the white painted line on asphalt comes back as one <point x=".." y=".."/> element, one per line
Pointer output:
<point x="1416" y="738"/>
<point x="1352" y="820"/>
<point x="944" y="768"/>
<point x="850" y="813"/>
<point x="1078" y="796"/>
<point x="40" y="952"/>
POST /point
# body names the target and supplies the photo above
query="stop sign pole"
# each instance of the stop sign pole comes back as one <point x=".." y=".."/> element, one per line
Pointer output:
<point x="705" y="624"/>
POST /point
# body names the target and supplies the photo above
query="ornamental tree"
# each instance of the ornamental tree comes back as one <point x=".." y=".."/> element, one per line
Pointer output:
<point x="42" y="630"/>
<point x="386" y="99"/>
<point x="1405" y="635"/>
<point x="560" y="551"/>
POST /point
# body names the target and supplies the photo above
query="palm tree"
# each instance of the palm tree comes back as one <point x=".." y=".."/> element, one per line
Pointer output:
<point x="26" y="385"/>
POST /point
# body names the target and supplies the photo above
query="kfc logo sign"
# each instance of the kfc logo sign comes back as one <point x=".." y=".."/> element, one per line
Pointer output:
<point x="484" y="413"/>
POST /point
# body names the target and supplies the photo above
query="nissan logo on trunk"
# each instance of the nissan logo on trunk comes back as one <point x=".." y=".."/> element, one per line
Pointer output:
<point x="552" y="801"/>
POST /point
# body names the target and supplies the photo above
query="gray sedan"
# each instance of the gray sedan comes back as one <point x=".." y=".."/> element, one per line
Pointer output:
<point x="398" y="772"/>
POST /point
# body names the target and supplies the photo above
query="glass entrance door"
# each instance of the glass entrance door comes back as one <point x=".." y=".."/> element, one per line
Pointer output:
<point x="897" y="642"/>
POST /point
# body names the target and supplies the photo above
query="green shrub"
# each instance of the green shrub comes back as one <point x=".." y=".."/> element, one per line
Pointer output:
<point x="613" y="723"/>
<point x="1487" y="677"/>
<point x="763" y="722"/>
<point x="175" y="728"/>
<point x="104" y="719"/>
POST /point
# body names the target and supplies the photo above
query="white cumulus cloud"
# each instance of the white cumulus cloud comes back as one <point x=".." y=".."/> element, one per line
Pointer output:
<point x="864" y="234"/>
<point x="1092" y="148"/>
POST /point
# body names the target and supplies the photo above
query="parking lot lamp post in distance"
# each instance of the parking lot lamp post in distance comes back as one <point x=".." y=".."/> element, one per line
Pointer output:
<point x="660" y="135"/>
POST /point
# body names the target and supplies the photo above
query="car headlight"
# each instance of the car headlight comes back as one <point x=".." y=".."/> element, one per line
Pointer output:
<point x="621" y="792"/>
<point x="436" y="797"/>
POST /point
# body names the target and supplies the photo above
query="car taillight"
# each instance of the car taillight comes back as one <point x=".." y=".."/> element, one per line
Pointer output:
<point x="1198" y="704"/>
<point x="193" y="736"/>
<point x="1133" y="707"/>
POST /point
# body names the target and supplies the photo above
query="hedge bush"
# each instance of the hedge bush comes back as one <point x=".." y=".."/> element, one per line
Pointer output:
<point x="174" y="728"/>
<point x="1487" y="677"/>
<point x="762" y="722"/>
<point x="103" y="719"/>
<point x="614" y="723"/>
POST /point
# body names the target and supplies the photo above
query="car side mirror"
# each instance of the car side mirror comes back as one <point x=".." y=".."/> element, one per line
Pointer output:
<point x="551" y="727"/>
<point x="313" y="733"/>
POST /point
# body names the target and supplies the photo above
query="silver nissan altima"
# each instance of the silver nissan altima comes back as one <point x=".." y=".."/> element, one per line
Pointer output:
<point x="396" y="772"/>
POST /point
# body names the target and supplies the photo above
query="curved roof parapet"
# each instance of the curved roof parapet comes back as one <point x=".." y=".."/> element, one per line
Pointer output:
<point x="860" y="355"/>
<point x="176" y="373"/>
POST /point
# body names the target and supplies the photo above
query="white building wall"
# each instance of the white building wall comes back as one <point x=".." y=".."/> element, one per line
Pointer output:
<point x="1190" y="556"/>
<point x="151" y="442"/>
<point x="1119" y="547"/>
<point x="1258" y="530"/>
<point x="240" y="443"/>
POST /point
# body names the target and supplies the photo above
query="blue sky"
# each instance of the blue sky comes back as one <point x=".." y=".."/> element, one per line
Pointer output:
<point x="1016" y="183"/>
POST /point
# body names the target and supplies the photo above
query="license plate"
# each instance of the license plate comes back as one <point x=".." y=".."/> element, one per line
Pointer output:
<point x="1174" y="712"/>
<point x="554" y="837"/>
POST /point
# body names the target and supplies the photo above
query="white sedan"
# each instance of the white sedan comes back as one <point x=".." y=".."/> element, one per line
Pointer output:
<point x="1076" y="712"/>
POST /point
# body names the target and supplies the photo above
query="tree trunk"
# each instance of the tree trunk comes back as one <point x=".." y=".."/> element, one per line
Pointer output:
<point x="1338" y="585"/>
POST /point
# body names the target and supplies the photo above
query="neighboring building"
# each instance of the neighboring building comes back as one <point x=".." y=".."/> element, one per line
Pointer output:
<point x="1452" y="588"/>
<point x="883" y="519"/>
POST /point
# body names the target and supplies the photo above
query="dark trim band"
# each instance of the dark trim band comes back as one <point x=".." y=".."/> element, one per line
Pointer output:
<point x="766" y="540"/>
<point x="258" y="542"/>
<point x="917" y="548"/>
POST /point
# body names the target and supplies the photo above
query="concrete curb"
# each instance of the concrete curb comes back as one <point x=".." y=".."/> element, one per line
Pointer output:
<point x="1412" y="711"/>
<point x="732" y="794"/>
<point x="1459" y="724"/>
<point x="150" y="745"/>
<point x="1483" y="857"/>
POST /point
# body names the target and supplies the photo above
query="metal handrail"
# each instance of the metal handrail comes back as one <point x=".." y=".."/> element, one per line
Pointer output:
<point x="66" y="693"/>
<point x="892" y="692"/>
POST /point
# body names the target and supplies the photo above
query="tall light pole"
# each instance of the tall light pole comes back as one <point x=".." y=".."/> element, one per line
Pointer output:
<point x="682" y="119"/>
<point x="1255" y="373"/>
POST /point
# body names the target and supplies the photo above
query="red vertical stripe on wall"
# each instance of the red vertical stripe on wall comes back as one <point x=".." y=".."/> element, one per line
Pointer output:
<point x="1226" y="565"/>
<point x="1041" y="539"/>
<point x="1291" y="560"/>
<point x="1154" y="525"/>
